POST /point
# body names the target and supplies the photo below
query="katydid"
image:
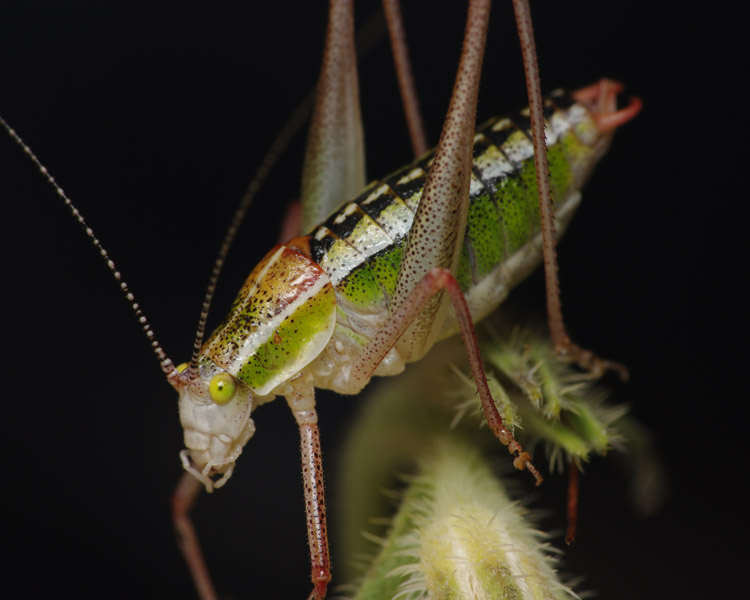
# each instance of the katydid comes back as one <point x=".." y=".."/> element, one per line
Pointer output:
<point x="347" y="338"/>
<point x="359" y="295"/>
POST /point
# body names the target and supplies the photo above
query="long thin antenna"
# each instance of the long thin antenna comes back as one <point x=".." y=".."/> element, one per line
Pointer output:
<point x="167" y="366"/>
<point x="293" y="125"/>
<point x="367" y="36"/>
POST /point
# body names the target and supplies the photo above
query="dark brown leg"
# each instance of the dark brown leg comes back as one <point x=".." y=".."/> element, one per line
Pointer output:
<point x="405" y="77"/>
<point x="183" y="500"/>
<point x="573" y="475"/>
<point x="436" y="280"/>
<point x="563" y="345"/>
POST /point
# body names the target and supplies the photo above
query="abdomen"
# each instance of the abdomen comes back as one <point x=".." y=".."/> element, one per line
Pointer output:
<point x="360" y="246"/>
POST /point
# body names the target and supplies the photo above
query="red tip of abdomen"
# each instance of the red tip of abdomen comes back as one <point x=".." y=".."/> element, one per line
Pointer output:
<point x="601" y="99"/>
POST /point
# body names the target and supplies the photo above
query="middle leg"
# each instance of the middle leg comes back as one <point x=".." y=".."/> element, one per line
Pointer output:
<point x="430" y="285"/>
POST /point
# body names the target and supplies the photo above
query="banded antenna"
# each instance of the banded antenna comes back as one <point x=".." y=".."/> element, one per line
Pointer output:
<point x="167" y="366"/>
<point x="290" y="129"/>
<point x="367" y="37"/>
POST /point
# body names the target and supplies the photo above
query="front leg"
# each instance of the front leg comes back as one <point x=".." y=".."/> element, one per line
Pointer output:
<point x="300" y="395"/>
<point x="183" y="499"/>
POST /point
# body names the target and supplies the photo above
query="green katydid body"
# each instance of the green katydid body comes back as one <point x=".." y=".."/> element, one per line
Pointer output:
<point x="366" y="292"/>
<point x="313" y="304"/>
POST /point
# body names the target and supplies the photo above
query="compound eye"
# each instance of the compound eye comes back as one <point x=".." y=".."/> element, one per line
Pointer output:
<point x="221" y="388"/>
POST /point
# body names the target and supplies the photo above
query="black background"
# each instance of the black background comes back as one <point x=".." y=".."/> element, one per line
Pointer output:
<point x="153" y="115"/>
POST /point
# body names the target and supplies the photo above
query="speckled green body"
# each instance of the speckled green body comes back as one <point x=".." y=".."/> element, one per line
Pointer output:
<point x="281" y="319"/>
<point x="360" y="246"/>
<point x="318" y="300"/>
<point x="309" y="311"/>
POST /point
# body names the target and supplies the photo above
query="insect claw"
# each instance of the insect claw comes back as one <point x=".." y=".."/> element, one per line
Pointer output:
<point x="532" y="469"/>
<point x="537" y="476"/>
<point x="619" y="368"/>
<point x="320" y="587"/>
<point x="522" y="460"/>
<point x="569" y="351"/>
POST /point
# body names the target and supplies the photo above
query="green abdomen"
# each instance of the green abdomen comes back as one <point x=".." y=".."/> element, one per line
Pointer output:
<point x="360" y="245"/>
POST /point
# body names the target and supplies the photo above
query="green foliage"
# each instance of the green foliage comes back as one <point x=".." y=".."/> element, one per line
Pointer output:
<point x="455" y="533"/>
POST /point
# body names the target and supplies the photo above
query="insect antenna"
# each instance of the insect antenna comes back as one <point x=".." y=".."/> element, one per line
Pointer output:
<point x="290" y="129"/>
<point x="167" y="366"/>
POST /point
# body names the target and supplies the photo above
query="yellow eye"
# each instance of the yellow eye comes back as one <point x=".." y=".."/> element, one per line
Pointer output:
<point x="221" y="388"/>
<point x="181" y="367"/>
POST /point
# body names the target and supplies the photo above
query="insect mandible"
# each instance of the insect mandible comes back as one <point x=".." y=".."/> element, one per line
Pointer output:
<point x="167" y="267"/>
